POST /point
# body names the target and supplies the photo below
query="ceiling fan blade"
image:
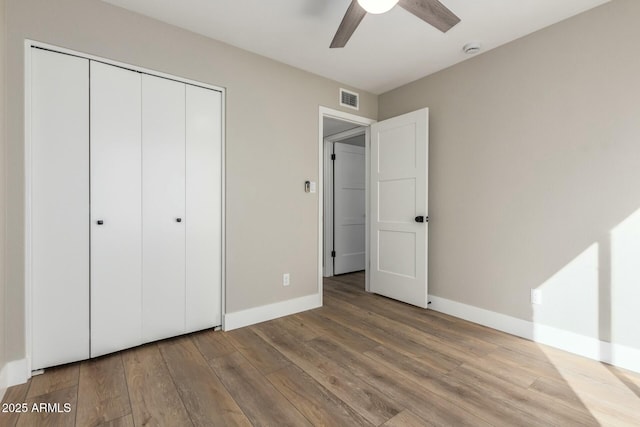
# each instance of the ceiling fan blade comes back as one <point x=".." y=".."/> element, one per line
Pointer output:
<point x="349" y="23"/>
<point x="431" y="11"/>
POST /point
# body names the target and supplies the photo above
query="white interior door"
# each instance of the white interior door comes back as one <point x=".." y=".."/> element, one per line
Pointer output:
<point x="163" y="208"/>
<point x="204" y="208"/>
<point x="116" y="242"/>
<point x="349" y="208"/>
<point x="399" y="170"/>
<point x="59" y="208"/>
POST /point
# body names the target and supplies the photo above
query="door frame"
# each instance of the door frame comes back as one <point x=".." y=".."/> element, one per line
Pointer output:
<point x="322" y="165"/>
<point x="28" y="45"/>
<point x="328" y="192"/>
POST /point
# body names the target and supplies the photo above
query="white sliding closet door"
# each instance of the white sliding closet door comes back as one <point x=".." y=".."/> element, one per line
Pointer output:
<point x="204" y="208"/>
<point x="116" y="243"/>
<point x="163" y="208"/>
<point x="59" y="208"/>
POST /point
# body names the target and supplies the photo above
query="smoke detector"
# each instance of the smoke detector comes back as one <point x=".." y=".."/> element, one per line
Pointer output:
<point x="471" y="48"/>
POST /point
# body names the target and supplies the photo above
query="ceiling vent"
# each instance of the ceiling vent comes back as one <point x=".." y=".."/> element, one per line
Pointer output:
<point x="349" y="99"/>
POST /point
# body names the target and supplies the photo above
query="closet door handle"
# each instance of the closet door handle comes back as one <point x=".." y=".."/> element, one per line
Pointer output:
<point x="178" y="219"/>
<point x="99" y="222"/>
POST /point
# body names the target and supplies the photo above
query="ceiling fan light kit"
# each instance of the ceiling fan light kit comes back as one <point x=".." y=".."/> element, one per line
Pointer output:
<point x="377" y="6"/>
<point x="432" y="12"/>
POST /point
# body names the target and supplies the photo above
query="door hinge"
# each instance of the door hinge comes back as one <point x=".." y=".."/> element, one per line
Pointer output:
<point x="333" y="254"/>
<point x="333" y="157"/>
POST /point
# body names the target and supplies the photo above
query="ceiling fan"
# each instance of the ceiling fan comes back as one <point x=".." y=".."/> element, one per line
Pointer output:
<point x="431" y="11"/>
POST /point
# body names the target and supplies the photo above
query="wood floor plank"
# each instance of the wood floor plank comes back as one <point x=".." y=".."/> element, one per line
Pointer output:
<point x="258" y="398"/>
<point x="409" y="393"/>
<point x="481" y="404"/>
<point x="538" y="409"/>
<point x="375" y="329"/>
<point x="205" y="398"/>
<point x="597" y="371"/>
<point x="518" y="377"/>
<point x="126" y="421"/>
<point x="319" y="405"/>
<point x="473" y="329"/>
<point x="628" y="378"/>
<point x="54" y="379"/>
<point x="257" y="351"/>
<point x="521" y="362"/>
<point x="337" y="331"/>
<point x="353" y="280"/>
<point x="212" y="344"/>
<point x="154" y="397"/>
<point x="366" y="400"/>
<point x="298" y="327"/>
<point x="51" y="410"/>
<point x="386" y="331"/>
<point x="340" y="291"/>
<point x="417" y="367"/>
<point x="15" y="395"/>
<point x="608" y="403"/>
<point x="102" y="391"/>
<point x="407" y="418"/>
<point x="422" y="320"/>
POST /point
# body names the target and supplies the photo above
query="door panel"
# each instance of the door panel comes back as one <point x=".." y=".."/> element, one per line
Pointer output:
<point x="116" y="252"/>
<point x="59" y="208"/>
<point x="397" y="149"/>
<point x="399" y="155"/>
<point x="393" y="248"/>
<point x="399" y="200"/>
<point x="204" y="208"/>
<point x="163" y="204"/>
<point x="349" y="208"/>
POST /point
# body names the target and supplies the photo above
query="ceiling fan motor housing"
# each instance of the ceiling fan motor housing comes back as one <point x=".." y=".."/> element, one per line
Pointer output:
<point x="377" y="6"/>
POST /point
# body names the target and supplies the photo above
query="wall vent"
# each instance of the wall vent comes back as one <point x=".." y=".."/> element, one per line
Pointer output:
<point x="349" y="99"/>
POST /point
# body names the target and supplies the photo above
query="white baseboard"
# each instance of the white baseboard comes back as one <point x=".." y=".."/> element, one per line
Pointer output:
<point x="614" y="354"/>
<point x="13" y="373"/>
<point x="263" y="313"/>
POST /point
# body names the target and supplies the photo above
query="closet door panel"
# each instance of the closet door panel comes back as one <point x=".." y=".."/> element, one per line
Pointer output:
<point x="59" y="208"/>
<point x="204" y="208"/>
<point x="116" y="244"/>
<point x="163" y="208"/>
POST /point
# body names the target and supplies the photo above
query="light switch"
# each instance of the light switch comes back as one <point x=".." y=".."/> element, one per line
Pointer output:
<point x="309" y="187"/>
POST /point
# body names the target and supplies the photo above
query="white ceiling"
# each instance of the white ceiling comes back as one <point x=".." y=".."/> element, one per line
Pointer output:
<point x="385" y="52"/>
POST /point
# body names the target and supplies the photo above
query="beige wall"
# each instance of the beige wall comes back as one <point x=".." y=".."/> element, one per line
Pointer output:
<point x="2" y="183"/>
<point x="272" y="141"/>
<point x="535" y="175"/>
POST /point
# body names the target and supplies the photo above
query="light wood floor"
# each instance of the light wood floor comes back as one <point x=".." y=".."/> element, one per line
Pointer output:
<point x="360" y="360"/>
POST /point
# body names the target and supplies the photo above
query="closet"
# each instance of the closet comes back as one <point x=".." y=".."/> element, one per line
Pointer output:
<point x="126" y="208"/>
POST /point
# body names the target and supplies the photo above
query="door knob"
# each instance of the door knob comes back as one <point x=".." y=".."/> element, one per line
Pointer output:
<point x="178" y="219"/>
<point x="99" y="222"/>
<point x="422" y="218"/>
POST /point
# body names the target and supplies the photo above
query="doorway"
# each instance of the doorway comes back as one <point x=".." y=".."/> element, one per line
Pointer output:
<point x="396" y="230"/>
<point x="345" y="212"/>
<point x="351" y="133"/>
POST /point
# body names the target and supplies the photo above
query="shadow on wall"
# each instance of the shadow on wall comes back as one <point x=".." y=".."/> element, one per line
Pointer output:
<point x="597" y="294"/>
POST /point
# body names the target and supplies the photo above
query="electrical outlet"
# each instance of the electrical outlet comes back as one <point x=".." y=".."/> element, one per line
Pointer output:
<point x="536" y="296"/>
<point x="285" y="279"/>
